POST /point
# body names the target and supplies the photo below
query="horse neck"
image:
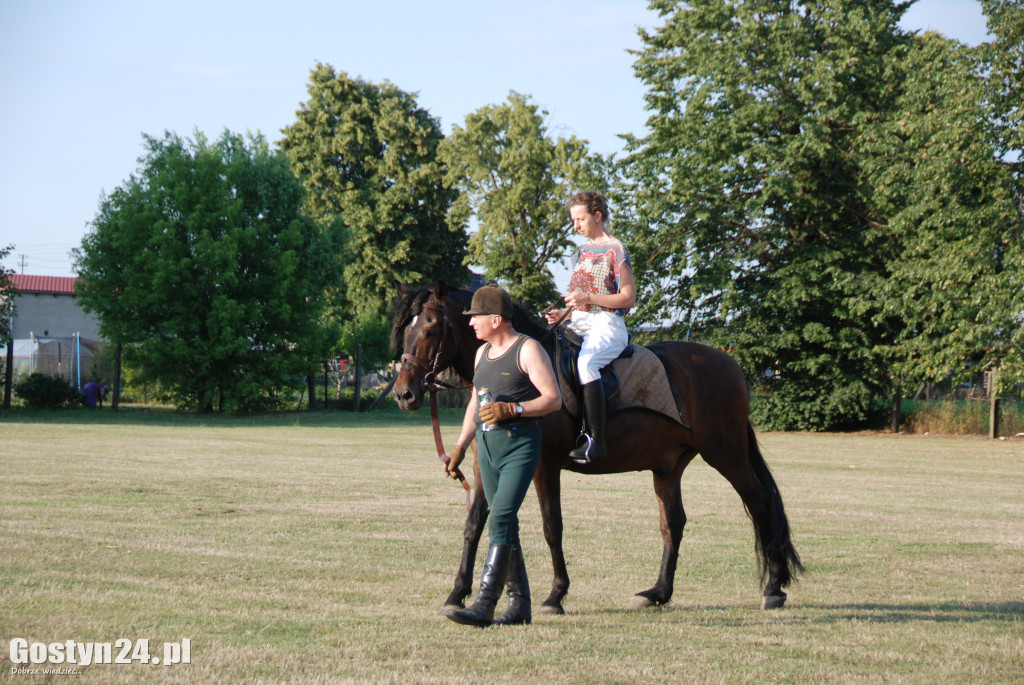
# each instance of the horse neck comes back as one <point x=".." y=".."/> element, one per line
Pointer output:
<point x="468" y="345"/>
<point x="466" y="341"/>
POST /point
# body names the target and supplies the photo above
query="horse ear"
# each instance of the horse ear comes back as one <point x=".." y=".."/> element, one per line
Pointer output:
<point x="441" y="291"/>
<point x="403" y="290"/>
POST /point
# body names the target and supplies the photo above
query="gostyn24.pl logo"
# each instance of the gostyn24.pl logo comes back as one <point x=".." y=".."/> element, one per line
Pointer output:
<point x="69" y="655"/>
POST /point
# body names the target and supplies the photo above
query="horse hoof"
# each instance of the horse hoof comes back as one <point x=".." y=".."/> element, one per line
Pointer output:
<point x="773" y="601"/>
<point x="451" y="607"/>
<point x="639" y="602"/>
<point x="551" y="610"/>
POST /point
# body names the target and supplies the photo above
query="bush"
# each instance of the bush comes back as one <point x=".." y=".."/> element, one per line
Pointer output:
<point x="40" y="391"/>
<point x="803" y="405"/>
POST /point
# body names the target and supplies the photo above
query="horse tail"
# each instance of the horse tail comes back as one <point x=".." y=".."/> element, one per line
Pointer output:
<point x="774" y="545"/>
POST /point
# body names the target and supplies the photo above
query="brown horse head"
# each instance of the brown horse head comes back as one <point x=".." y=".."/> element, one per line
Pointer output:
<point x="424" y="328"/>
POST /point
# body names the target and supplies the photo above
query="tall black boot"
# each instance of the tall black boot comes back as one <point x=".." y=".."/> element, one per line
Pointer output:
<point x="518" y="612"/>
<point x="481" y="612"/>
<point x="594" y="410"/>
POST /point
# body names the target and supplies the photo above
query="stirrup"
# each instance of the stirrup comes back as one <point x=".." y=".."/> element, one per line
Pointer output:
<point x="581" y="454"/>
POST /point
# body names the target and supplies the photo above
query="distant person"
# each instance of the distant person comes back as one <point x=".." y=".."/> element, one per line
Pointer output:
<point x="93" y="394"/>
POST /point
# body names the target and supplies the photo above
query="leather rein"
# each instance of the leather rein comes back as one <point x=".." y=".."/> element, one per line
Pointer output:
<point x="433" y="384"/>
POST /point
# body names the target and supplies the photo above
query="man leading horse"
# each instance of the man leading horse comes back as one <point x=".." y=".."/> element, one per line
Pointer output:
<point x="513" y="385"/>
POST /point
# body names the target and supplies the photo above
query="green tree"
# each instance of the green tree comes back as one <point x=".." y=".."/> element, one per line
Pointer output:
<point x="750" y="204"/>
<point x="373" y="333"/>
<point x="367" y="156"/>
<point x="947" y="207"/>
<point x="7" y="293"/>
<point x="516" y="180"/>
<point x="204" y="266"/>
<point x="1004" y="63"/>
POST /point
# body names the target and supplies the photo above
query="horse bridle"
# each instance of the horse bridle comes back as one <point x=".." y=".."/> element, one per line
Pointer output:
<point x="432" y="384"/>
<point x="430" y="380"/>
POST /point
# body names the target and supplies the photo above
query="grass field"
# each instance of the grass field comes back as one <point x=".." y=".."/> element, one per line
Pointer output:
<point x="319" y="548"/>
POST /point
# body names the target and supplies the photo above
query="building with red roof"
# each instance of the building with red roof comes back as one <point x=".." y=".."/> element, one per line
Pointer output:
<point x="58" y="285"/>
<point x="52" y="334"/>
<point x="46" y="307"/>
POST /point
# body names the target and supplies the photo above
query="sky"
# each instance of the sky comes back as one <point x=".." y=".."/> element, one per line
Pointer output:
<point x="82" y="82"/>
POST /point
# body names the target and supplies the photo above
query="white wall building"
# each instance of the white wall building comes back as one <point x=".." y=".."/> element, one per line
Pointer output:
<point x="52" y="334"/>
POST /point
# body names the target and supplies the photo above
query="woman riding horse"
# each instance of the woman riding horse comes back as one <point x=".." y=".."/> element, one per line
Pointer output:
<point x="601" y="291"/>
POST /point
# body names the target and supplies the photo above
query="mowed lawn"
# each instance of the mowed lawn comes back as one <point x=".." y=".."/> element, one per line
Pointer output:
<point x="320" y="548"/>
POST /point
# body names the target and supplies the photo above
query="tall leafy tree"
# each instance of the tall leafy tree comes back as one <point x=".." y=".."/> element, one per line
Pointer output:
<point x="205" y="267"/>
<point x="751" y="205"/>
<point x="7" y="293"/>
<point x="948" y="223"/>
<point x="1004" y="64"/>
<point x="516" y="179"/>
<point x="367" y="156"/>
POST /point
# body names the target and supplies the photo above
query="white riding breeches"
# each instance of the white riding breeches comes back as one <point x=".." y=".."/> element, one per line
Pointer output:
<point x="604" y="338"/>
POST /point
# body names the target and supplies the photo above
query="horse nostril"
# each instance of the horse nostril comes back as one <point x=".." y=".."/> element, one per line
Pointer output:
<point x="407" y="396"/>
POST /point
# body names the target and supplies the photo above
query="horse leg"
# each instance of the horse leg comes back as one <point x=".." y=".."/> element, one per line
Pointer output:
<point x="547" y="484"/>
<point x="476" y="520"/>
<point x="673" y="520"/>
<point x="753" y="481"/>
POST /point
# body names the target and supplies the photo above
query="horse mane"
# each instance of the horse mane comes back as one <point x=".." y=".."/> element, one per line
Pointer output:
<point x="411" y="304"/>
<point x="403" y="310"/>
<point x="408" y="306"/>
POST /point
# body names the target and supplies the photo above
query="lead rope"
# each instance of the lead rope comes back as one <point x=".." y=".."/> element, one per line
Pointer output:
<point x="433" y="385"/>
<point x="441" y="454"/>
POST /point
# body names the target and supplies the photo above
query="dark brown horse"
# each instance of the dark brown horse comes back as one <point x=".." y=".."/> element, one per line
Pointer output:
<point x="712" y="397"/>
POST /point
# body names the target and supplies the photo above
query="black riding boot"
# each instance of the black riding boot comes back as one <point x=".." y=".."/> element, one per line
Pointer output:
<point x="481" y="612"/>
<point x="518" y="612"/>
<point x="594" y="408"/>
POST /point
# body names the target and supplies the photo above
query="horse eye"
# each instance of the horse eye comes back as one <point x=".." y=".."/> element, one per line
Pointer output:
<point x="430" y="332"/>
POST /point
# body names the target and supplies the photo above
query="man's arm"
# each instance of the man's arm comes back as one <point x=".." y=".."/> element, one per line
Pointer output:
<point x="538" y="368"/>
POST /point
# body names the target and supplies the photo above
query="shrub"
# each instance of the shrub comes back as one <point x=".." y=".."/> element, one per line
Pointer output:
<point x="803" y="405"/>
<point x="40" y="391"/>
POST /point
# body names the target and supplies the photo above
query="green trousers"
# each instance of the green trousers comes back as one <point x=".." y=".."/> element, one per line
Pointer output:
<point x="508" y="457"/>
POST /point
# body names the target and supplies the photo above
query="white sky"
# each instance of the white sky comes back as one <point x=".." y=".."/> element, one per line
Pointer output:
<point x="82" y="81"/>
